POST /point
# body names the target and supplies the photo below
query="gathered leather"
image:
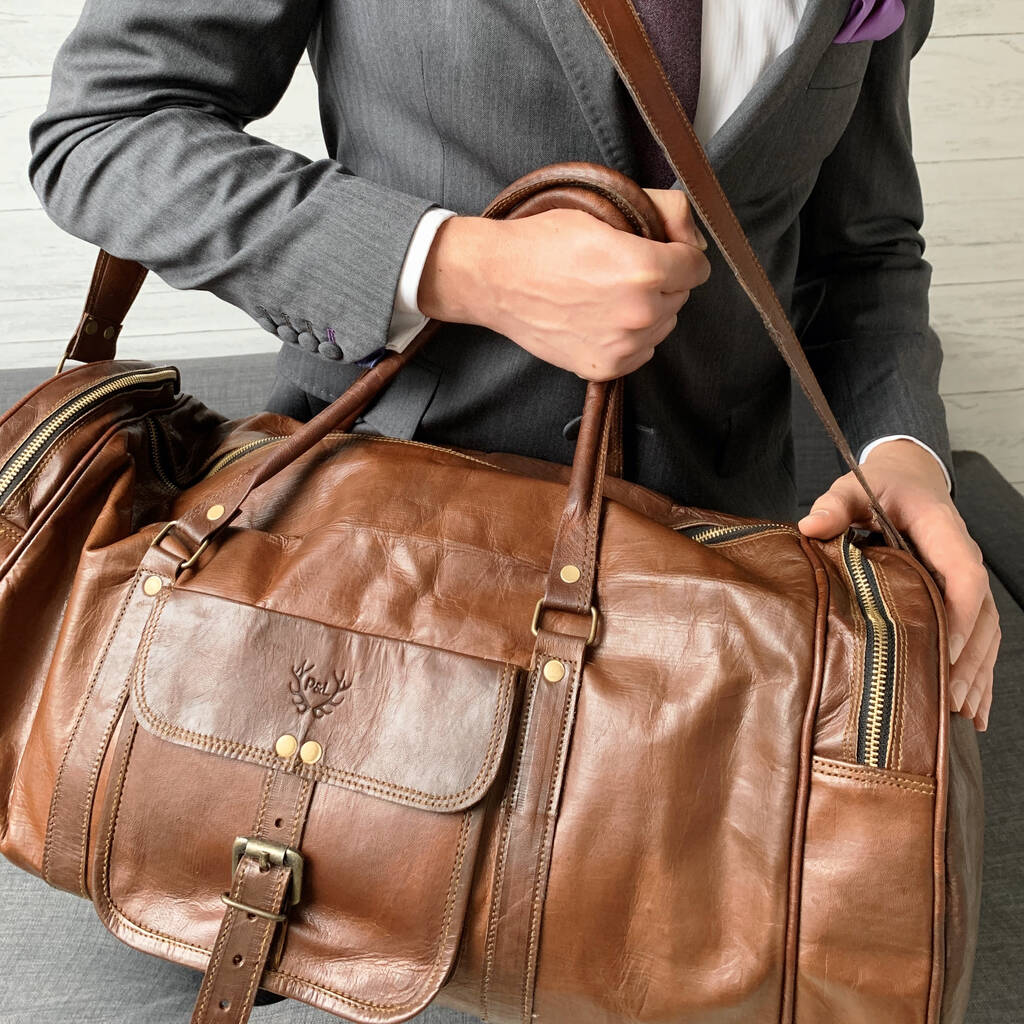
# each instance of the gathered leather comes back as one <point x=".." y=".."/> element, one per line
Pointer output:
<point x="549" y="747"/>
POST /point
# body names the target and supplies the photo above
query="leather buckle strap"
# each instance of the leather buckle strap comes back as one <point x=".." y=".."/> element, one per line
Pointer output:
<point x="267" y="871"/>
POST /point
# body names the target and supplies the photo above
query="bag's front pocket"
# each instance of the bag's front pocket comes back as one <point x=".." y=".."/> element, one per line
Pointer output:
<point x="402" y="744"/>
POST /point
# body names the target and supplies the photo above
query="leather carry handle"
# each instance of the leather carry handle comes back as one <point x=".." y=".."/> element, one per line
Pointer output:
<point x="604" y="193"/>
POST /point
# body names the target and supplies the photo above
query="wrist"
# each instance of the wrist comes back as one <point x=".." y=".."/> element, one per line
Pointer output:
<point x="911" y="461"/>
<point x="453" y="286"/>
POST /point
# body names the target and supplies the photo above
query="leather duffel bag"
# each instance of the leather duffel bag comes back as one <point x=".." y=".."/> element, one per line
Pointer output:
<point x="371" y="723"/>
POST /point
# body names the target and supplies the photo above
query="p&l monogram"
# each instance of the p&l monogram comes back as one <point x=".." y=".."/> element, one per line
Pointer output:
<point x="320" y="696"/>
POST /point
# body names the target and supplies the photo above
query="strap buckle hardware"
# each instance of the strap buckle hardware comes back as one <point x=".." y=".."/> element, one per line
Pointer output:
<point x="188" y="562"/>
<point x="268" y="854"/>
<point x="535" y="624"/>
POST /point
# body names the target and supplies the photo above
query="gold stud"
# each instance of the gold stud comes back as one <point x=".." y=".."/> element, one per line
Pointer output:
<point x="570" y="574"/>
<point x="285" y="745"/>
<point x="91" y="327"/>
<point x="311" y="752"/>
<point x="554" y="670"/>
<point x="214" y="512"/>
<point x="110" y="333"/>
<point x="152" y="585"/>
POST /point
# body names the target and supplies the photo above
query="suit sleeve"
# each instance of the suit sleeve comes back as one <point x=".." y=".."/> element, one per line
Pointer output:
<point x="862" y="285"/>
<point x="142" y="150"/>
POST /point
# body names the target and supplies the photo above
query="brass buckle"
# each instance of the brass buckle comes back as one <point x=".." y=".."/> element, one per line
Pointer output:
<point x="535" y="625"/>
<point x="191" y="560"/>
<point x="268" y="854"/>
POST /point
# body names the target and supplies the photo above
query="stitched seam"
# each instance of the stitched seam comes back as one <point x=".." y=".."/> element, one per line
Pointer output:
<point x="268" y="782"/>
<point x="509" y="803"/>
<point x="162" y="727"/>
<point x="876" y="777"/>
<point x="58" y="784"/>
<point x="543" y="860"/>
<point x="9" y="531"/>
<point x="231" y="915"/>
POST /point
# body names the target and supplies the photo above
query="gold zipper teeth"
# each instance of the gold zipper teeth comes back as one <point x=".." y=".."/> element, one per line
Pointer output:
<point x="873" y="740"/>
<point x="714" y="533"/>
<point x="156" y="457"/>
<point x="49" y="428"/>
<point x="237" y="453"/>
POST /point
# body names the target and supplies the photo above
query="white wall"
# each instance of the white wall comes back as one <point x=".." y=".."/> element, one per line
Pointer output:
<point x="968" y="99"/>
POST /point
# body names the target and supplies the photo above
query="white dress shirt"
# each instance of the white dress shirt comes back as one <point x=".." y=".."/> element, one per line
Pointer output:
<point x="739" y="39"/>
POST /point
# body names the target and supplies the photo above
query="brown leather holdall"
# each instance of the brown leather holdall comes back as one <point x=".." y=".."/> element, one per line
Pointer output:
<point x="370" y="723"/>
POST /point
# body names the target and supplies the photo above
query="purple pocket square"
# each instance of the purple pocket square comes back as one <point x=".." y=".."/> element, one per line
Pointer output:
<point x="871" y="19"/>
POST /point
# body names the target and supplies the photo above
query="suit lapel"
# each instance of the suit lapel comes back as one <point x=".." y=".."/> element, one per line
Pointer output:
<point x="602" y="97"/>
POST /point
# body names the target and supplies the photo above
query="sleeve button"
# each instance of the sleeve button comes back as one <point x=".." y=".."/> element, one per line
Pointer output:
<point x="329" y="351"/>
<point x="308" y="341"/>
<point x="288" y="333"/>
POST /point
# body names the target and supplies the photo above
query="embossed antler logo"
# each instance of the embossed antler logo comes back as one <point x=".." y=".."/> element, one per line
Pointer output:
<point x="320" y="696"/>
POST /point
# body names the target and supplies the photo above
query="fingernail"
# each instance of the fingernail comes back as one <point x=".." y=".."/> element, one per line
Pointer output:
<point x="983" y="724"/>
<point x="817" y="513"/>
<point x="956" y="646"/>
<point x="972" y="704"/>
<point x="702" y="242"/>
<point x="959" y="692"/>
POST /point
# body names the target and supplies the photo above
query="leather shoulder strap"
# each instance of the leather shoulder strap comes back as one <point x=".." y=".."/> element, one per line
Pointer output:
<point x="628" y="45"/>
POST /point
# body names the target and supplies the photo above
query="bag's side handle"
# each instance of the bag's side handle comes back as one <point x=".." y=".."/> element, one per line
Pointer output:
<point x="115" y="283"/>
<point x="624" y="37"/>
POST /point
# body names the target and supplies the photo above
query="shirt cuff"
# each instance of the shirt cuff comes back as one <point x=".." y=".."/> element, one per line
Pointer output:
<point x="407" y="320"/>
<point x="868" y="448"/>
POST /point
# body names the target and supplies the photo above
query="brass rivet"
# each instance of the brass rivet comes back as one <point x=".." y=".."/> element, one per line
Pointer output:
<point x="214" y="512"/>
<point x="570" y="574"/>
<point x="152" y="585"/>
<point x="311" y="752"/>
<point x="286" y="745"/>
<point x="110" y="333"/>
<point x="91" y="327"/>
<point x="554" y="670"/>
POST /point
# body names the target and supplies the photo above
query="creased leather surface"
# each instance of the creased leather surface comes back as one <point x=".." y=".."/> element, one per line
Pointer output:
<point x="698" y="842"/>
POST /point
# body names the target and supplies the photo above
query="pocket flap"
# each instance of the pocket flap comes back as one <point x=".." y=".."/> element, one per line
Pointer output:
<point x="394" y="719"/>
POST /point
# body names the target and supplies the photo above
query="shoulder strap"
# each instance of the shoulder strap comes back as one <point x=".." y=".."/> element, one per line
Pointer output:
<point x="628" y="45"/>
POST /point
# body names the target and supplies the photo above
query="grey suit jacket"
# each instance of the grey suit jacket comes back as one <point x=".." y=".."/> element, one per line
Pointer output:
<point x="141" y="149"/>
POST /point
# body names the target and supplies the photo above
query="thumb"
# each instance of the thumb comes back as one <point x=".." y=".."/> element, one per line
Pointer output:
<point x="677" y="216"/>
<point x="842" y="505"/>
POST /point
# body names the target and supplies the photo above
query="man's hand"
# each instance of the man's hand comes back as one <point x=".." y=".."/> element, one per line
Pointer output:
<point x="912" y="489"/>
<point x="565" y="286"/>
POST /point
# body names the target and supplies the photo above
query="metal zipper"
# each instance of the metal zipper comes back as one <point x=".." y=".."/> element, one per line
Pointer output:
<point x="707" y="533"/>
<point x="237" y="453"/>
<point x="874" y="727"/>
<point x="157" y="456"/>
<point x="28" y="454"/>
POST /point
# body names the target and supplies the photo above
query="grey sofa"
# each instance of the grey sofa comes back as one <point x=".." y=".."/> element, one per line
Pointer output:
<point x="994" y="511"/>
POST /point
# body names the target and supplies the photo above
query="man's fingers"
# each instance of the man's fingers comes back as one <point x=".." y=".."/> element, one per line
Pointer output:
<point x="677" y="216"/>
<point x="843" y="504"/>
<point x="982" y="636"/>
<point x="981" y="718"/>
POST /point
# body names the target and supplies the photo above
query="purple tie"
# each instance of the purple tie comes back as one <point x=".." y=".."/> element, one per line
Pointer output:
<point x="674" y="27"/>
